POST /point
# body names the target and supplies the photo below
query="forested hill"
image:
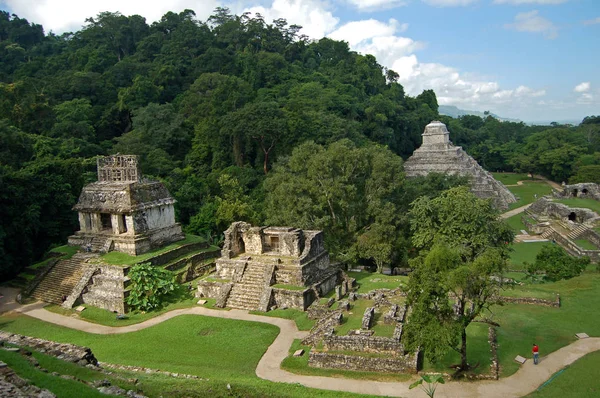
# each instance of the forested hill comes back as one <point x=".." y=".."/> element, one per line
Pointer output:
<point x="211" y="107"/>
<point x="191" y="98"/>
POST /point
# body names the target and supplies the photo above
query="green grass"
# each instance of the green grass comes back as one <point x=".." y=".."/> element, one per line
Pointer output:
<point x="586" y="244"/>
<point x="300" y="317"/>
<point x="368" y="281"/>
<point x="526" y="193"/>
<point x="538" y="291"/>
<point x="300" y="365"/>
<point x="511" y="178"/>
<point x="525" y="252"/>
<point x="59" y="386"/>
<point x="26" y="276"/>
<point x="591" y="204"/>
<point x="551" y="328"/>
<point x="66" y="250"/>
<point x="221" y="350"/>
<point x="353" y="319"/>
<point x="516" y="224"/>
<point x="118" y="258"/>
<point x="580" y="379"/>
<point x="517" y="276"/>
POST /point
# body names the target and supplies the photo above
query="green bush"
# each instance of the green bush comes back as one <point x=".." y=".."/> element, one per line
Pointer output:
<point x="149" y="286"/>
<point x="557" y="264"/>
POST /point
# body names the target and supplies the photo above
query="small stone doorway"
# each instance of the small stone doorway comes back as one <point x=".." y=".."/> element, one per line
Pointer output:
<point x="105" y="221"/>
<point x="573" y="216"/>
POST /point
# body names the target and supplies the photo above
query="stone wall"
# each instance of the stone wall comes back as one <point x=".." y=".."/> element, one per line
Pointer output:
<point x="401" y="364"/>
<point x="66" y="352"/>
<point x="592" y="236"/>
<point x="367" y="319"/>
<point x="107" y="288"/>
<point x="583" y="190"/>
<point x="299" y="299"/>
<point x="362" y="344"/>
<point x="532" y="300"/>
<point x="546" y="207"/>
<point x="324" y="326"/>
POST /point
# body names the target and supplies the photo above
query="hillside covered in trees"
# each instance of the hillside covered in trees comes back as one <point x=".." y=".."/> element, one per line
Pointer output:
<point x="242" y="119"/>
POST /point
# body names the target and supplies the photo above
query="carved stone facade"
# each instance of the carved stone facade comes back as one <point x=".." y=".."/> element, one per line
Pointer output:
<point x="123" y="212"/>
<point x="255" y="258"/>
<point x="437" y="154"/>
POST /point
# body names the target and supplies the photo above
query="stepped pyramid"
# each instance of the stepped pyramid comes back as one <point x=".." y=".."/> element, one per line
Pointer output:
<point x="438" y="155"/>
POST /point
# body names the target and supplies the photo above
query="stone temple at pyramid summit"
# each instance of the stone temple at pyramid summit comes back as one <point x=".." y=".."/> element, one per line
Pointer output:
<point x="437" y="154"/>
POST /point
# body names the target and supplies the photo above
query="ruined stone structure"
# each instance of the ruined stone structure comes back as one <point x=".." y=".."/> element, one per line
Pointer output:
<point x="254" y="259"/>
<point x="124" y="212"/>
<point x="437" y="154"/>
<point x="583" y="190"/>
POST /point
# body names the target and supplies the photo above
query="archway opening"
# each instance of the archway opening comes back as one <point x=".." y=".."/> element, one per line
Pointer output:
<point x="572" y="216"/>
<point x="574" y="193"/>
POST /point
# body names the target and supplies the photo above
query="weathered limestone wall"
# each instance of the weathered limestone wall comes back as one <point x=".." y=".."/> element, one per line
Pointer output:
<point x="546" y="207"/>
<point x="583" y="190"/>
<point x="298" y="299"/>
<point x="291" y="243"/>
<point x="156" y="218"/>
<point x="253" y="240"/>
<point x="360" y="343"/>
<point x="66" y="352"/>
<point x="107" y="288"/>
<point x="401" y="364"/>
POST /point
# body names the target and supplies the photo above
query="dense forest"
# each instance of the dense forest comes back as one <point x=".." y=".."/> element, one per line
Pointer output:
<point x="242" y="119"/>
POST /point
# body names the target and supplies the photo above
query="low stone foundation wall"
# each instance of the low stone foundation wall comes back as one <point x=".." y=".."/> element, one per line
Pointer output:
<point x="404" y="364"/>
<point x="532" y="300"/>
<point x="363" y="344"/>
<point x="495" y="365"/>
<point x="66" y="352"/>
<point x="298" y="299"/>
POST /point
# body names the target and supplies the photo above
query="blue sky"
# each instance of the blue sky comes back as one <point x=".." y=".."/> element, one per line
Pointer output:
<point x="527" y="59"/>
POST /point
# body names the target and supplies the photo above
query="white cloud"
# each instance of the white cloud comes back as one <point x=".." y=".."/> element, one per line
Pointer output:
<point x="582" y="87"/>
<point x="369" y="5"/>
<point x="542" y="2"/>
<point x="532" y="22"/>
<point x="454" y="88"/>
<point x="312" y="15"/>
<point x="449" y="3"/>
<point x="68" y="15"/>
<point x="592" y="21"/>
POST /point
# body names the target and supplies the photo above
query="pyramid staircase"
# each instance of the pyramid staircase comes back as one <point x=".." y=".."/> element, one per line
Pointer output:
<point x="61" y="280"/>
<point x="547" y="233"/>
<point x="577" y="232"/>
<point x="246" y="294"/>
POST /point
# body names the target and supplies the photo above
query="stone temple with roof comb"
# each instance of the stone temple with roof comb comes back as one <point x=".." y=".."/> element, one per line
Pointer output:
<point x="437" y="154"/>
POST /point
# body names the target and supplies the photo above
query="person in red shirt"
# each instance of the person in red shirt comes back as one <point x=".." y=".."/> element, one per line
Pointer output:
<point x="536" y="353"/>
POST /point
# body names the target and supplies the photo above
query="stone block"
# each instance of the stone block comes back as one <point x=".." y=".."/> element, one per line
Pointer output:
<point x="202" y="302"/>
<point x="582" y="335"/>
<point x="3" y="365"/>
<point x="298" y="353"/>
<point x="80" y="308"/>
<point x="344" y="305"/>
<point x="520" y="359"/>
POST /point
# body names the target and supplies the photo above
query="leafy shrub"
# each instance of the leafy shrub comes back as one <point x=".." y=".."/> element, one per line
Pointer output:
<point x="557" y="264"/>
<point x="149" y="286"/>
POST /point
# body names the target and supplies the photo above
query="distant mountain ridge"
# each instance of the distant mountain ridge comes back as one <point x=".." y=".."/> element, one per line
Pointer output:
<point x="455" y="112"/>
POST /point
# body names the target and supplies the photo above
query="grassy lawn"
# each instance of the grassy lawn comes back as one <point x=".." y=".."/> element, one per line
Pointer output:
<point x="300" y="365"/>
<point x="551" y="328"/>
<point x="586" y="244"/>
<point x="300" y="317"/>
<point x="353" y="319"/>
<point x="118" y="258"/>
<point x="525" y="252"/>
<point x="591" y="204"/>
<point x="516" y="224"/>
<point x="577" y="380"/>
<point x="220" y="350"/>
<point x="368" y="281"/>
<point x="59" y="386"/>
<point x="526" y="193"/>
<point x="511" y="178"/>
<point x="66" y="250"/>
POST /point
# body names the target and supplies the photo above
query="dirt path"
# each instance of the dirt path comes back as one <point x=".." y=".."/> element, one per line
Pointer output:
<point x="526" y="380"/>
<point x="513" y="212"/>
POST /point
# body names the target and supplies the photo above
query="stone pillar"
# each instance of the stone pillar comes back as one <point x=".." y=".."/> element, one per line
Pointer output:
<point x="129" y="224"/>
<point x="117" y="224"/>
<point x="85" y="224"/>
<point x="96" y="222"/>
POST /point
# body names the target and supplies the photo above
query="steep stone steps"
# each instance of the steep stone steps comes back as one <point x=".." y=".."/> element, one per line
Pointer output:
<point x="547" y="233"/>
<point x="61" y="280"/>
<point x="577" y="232"/>
<point x="247" y="293"/>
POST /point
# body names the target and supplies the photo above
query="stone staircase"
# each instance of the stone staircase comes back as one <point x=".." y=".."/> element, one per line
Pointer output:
<point x="577" y="232"/>
<point x="246" y="294"/>
<point x="61" y="280"/>
<point x="547" y="233"/>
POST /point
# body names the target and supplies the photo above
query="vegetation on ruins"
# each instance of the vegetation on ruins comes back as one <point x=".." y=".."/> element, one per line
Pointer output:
<point x="210" y="107"/>
<point x="455" y="278"/>
<point x="554" y="263"/>
<point x="149" y="286"/>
